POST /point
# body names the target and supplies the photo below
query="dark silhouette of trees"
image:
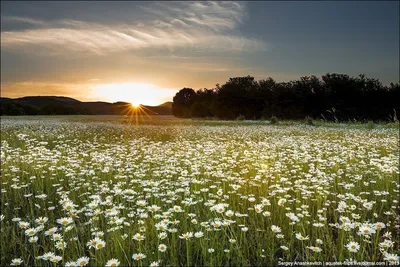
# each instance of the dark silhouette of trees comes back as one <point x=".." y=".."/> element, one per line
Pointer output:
<point x="183" y="101"/>
<point x="334" y="97"/>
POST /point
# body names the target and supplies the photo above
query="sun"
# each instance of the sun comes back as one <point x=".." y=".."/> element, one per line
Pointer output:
<point x="135" y="105"/>
<point x="134" y="93"/>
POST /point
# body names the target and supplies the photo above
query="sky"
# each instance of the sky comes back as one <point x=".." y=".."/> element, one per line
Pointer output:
<point x="144" y="52"/>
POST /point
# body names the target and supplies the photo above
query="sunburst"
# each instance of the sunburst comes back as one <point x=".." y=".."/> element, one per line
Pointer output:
<point x="136" y="113"/>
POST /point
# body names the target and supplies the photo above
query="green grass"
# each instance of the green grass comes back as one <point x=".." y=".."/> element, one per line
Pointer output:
<point x="106" y="165"/>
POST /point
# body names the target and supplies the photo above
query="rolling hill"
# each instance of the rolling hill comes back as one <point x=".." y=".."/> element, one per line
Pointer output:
<point x="60" y="105"/>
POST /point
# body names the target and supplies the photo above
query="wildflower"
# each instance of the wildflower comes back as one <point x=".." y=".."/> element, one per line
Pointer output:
<point x="315" y="249"/>
<point x="162" y="235"/>
<point x="186" y="236"/>
<point x="266" y="213"/>
<point x="162" y="248"/>
<point x="368" y="205"/>
<point x="51" y="231"/>
<point x="299" y="236"/>
<point x="154" y="264"/>
<point x="138" y="237"/>
<point x="41" y="220"/>
<point x="387" y="235"/>
<point x="258" y="208"/>
<point x="82" y="261"/>
<point x="71" y="264"/>
<point x="393" y="258"/>
<point x="284" y="248"/>
<point x="100" y="244"/>
<point x="353" y="246"/>
<point x="281" y="201"/>
<point x="138" y="256"/>
<point x="387" y="243"/>
<point x="198" y="234"/>
<point x="16" y="261"/>
<point x="56" y="259"/>
<point x="366" y="230"/>
<point x="33" y="239"/>
<point x="379" y="225"/>
<point x="229" y="213"/>
<point x="275" y="229"/>
<point x="48" y="256"/>
<point x="23" y="225"/>
<point x="30" y="232"/>
<point x="112" y="263"/>
<point x="211" y="250"/>
<point x="64" y="221"/>
<point x="61" y="245"/>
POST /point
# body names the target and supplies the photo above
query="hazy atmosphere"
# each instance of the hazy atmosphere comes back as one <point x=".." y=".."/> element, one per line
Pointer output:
<point x="146" y="51"/>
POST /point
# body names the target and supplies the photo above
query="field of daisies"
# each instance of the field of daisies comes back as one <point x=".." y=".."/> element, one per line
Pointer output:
<point x="102" y="191"/>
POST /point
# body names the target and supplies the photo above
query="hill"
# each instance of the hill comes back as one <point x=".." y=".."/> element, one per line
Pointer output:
<point x="60" y="105"/>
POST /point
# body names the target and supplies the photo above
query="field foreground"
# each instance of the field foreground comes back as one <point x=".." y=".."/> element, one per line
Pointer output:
<point x="103" y="191"/>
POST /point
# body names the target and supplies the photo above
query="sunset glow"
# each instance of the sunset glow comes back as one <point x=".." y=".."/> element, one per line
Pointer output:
<point x="135" y="93"/>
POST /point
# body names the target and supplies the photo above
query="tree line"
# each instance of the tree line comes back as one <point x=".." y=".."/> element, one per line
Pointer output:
<point x="333" y="97"/>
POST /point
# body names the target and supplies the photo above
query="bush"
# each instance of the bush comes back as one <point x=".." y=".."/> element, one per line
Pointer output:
<point x="241" y="118"/>
<point x="274" y="120"/>
<point x="309" y="121"/>
<point x="371" y="125"/>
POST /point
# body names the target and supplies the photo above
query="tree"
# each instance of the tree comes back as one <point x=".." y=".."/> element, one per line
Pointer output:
<point x="182" y="102"/>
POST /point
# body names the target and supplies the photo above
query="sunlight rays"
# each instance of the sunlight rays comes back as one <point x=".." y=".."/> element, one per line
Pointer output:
<point x="136" y="113"/>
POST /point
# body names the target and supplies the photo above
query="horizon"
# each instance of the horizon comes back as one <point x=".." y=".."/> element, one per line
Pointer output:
<point x="62" y="96"/>
<point x="145" y="52"/>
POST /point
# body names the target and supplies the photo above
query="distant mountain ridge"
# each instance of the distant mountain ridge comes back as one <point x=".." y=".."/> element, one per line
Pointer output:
<point x="61" y="105"/>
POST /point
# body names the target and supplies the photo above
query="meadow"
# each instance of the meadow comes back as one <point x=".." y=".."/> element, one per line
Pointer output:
<point x="105" y="191"/>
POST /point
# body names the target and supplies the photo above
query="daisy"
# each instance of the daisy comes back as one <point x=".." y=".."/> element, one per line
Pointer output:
<point x="71" y="264"/>
<point x="64" y="221"/>
<point x="138" y="237"/>
<point x="198" y="234"/>
<point x="82" y="261"/>
<point x="30" y="232"/>
<point x="162" y="248"/>
<point x="16" y="261"/>
<point x="315" y="249"/>
<point x="275" y="229"/>
<point x="186" y="236"/>
<point x="138" y="256"/>
<point x="353" y="246"/>
<point x="393" y="258"/>
<point x="299" y="236"/>
<point x="112" y="263"/>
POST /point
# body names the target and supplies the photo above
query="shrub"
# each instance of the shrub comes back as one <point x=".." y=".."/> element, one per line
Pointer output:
<point x="241" y="118"/>
<point x="371" y="125"/>
<point x="273" y="120"/>
<point x="309" y="121"/>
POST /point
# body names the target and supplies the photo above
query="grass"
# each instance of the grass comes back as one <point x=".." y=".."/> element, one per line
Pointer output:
<point x="229" y="183"/>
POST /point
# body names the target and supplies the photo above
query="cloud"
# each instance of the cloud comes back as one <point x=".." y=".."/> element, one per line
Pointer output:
<point x="19" y="89"/>
<point x="188" y="25"/>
